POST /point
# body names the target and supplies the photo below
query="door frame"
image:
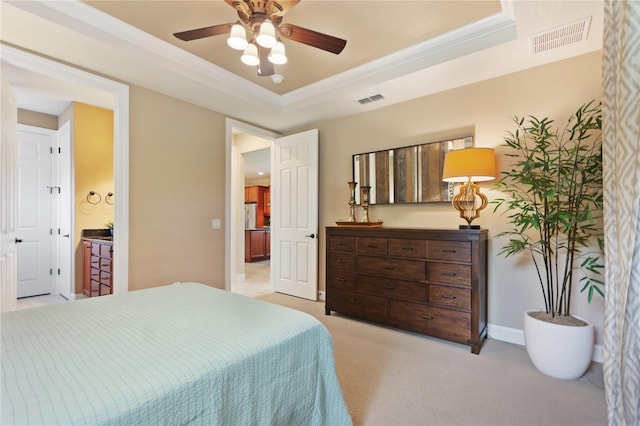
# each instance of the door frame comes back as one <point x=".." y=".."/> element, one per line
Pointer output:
<point x="120" y="93"/>
<point x="234" y="215"/>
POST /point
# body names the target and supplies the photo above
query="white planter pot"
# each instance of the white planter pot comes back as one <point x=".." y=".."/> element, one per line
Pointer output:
<point x="559" y="351"/>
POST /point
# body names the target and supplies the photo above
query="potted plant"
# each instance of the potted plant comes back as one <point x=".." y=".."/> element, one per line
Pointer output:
<point x="553" y="201"/>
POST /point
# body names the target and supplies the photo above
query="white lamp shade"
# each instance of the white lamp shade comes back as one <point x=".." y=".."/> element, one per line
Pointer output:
<point x="237" y="38"/>
<point x="475" y="164"/>
<point x="250" y="55"/>
<point x="267" y="36"/>
<point x="277" y="55"/>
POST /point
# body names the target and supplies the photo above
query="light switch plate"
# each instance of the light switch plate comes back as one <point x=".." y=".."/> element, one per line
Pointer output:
<point x="216" y="224"/>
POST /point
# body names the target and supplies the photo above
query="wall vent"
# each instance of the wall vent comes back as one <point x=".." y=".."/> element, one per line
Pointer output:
<point x="560" y="36"/>
<point x="370" y="99"/>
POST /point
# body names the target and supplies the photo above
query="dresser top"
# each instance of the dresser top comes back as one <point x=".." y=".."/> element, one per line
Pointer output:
<point x="420" y="233"/>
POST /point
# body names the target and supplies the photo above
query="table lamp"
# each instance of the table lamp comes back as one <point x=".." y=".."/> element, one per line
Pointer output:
<point x="469" y="165"/>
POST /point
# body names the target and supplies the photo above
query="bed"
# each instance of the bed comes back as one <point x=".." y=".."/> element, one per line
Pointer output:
<point x="184" y="353"/>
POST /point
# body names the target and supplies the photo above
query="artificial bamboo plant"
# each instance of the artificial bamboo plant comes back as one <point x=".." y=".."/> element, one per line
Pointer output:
<point x="553" y="202"/>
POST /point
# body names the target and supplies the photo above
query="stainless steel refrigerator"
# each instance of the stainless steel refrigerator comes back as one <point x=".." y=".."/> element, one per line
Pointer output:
<point x="250" y="215"/>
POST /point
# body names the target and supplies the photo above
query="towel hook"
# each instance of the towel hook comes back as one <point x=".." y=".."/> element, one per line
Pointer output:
<point x="91" y="197"/>
<point x="109" y="198"/>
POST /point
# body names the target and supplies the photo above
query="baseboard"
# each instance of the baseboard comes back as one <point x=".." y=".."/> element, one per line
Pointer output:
<point x="321" y="296"/>
<point x="515" y="336"/>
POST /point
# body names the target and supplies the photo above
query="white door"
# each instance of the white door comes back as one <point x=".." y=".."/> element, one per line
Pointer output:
<point x="64" y="233"/>
<point x="8" y="250"/>
<point x="294" y="212"/>
<point x="34" y="221"/>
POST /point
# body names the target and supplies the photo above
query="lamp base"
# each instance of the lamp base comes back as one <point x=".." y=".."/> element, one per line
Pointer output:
<point x="469" y="227"/>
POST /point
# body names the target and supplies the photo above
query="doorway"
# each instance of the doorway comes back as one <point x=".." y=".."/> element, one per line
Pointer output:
<point x="51" y="70"/>
<point x="252" y="270"/>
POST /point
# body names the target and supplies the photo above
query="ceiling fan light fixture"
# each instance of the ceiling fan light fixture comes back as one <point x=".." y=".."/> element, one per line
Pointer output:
<point x="267" y="36"/>
<point x="277" y="55"/>
<point x="250" y="55"/>
<point x="237" y="38"/>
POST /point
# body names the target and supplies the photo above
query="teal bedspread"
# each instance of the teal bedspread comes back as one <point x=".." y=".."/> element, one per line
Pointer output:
<point x="179" y="354"/>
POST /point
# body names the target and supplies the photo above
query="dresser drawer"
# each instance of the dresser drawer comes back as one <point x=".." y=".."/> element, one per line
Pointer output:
<point x="401" y="247"/>
<point x="105" y="250"/>
<point x="105" y="278"/>
<point x="459" y="251"/>
<point x="449" y="273"/>
<point x="341" y="279"/>
<point x="438" y="322"/>
<point x="358" y="304"/>
<point x="392" y="287"/>
<point x="105" y="264"/>
<point x="395" y="268"/>
<point x="372" y="245"/>
<point x="342" y="243"/>
<point x="342" y="261"/>
<point x="450" y="296"/>
<point x="105" y="290"/>
<point x="95" y="288"/>
<point x="95" y="262"/>
<point x="95" y="274"/>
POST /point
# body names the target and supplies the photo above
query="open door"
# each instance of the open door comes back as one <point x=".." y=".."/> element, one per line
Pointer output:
<point x="294" y="213"/>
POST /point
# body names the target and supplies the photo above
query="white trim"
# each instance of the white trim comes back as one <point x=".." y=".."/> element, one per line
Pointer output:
<point x="120" y="93"/>
<point x="322" y="296"/>
<point x="516" y="336"/>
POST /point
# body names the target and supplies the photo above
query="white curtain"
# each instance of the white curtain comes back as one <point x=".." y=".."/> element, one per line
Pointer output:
<point x="621" y="173"/>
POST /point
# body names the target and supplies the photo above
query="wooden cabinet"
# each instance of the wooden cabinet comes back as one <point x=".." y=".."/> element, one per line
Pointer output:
<point x="432" y="282"/>
<point x="261" y="196"/>
<point x="98" y="267"/>
<point x="257" y="245"/>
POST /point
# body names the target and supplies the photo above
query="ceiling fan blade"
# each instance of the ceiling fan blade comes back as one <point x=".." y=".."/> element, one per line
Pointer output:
<point x="265" y="68"/>
<point x="204" y="32"/>
<point x="312" y="38"/>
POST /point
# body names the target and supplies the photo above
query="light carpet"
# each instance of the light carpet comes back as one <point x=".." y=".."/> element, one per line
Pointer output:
<point x="393" y="377"/>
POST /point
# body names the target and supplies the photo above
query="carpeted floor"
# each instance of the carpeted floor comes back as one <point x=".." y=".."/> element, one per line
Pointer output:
<point x="392" y="377"/>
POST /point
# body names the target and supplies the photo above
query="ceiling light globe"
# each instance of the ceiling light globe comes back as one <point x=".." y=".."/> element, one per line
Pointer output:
<point x="250" y="55"/>
<point x="277" y="55"/>
<point x="267" y="36"/>
<point x="237" y="38"/>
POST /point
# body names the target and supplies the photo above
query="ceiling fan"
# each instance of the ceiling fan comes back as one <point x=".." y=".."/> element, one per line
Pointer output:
<point x="261" y="20"/>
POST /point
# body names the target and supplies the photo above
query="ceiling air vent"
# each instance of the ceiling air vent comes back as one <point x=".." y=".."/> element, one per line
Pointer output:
<point x="372" y="98"/>
<point x="560" y="36"/>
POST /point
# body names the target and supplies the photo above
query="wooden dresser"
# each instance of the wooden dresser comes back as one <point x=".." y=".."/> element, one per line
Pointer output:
<point x="98" y="267"/>
<point x="431" y="281"/>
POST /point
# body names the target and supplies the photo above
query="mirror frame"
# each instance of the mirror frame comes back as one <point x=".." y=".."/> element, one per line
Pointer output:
<point x="406" y="175"/>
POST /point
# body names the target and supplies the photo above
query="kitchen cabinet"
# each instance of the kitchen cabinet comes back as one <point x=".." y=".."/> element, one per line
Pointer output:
<point x="257" y="245"/>
<point x="430" y="281"/>
<point x="261" y="196"/>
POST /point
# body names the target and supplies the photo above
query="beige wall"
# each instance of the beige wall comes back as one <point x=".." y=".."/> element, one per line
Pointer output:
<point x="37" y="119"/>
<point x="176" y="175"/>
<point x="485" y="110"/>
<point x="93" y="171"/>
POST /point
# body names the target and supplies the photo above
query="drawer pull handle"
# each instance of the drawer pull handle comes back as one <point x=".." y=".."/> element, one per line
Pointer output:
<point x="341" y="244"/>
<point x="407" y="248"/>
<point x="355" y="301"/>
<point x="448" y="250"/>
<point x="427" y="317"/>
<point x="341" y="261"/>
<point x="340" y="280"/>
<point x="449" y="274"/>
<point x="388" y="286"/>
<point x="448" y="296"/>
<point x="389" y="268"/>
<point x="372" y="246"/>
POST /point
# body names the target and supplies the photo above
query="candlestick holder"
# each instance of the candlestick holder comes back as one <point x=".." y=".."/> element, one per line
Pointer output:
<point x="364" y="202"/>
<point x="352" y="201"/>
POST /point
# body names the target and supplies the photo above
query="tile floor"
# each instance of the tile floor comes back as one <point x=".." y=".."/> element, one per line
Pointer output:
<point x="256" y="284"/>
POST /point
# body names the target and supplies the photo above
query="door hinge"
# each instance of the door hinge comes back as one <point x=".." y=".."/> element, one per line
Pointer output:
<point x="58" y="271"/>
<point x="50" y="231"/>
<point x="50" y="271"/>
<point x="59" y="150"/>
<point x="50" y="150"/>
